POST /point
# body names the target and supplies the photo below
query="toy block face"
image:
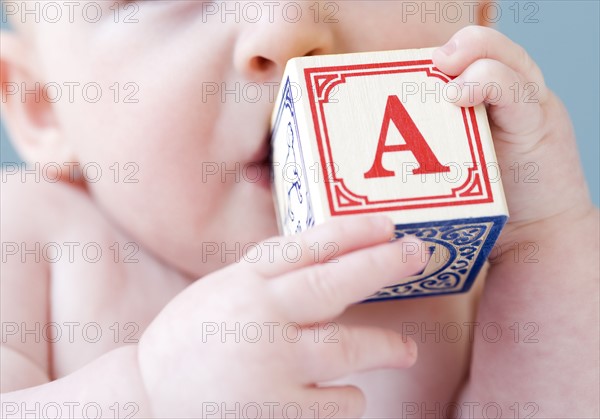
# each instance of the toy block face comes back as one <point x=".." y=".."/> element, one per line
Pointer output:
<point x="290" y="171"/>
<point x="379" y="132"/>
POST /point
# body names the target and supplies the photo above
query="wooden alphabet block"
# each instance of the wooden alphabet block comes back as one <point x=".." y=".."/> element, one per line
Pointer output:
<point x="379" y="132"/>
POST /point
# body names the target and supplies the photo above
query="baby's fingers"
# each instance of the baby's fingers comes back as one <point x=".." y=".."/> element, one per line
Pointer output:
<point x="321" y="292"/>
<point x="477" y="42"/>
<point x="335" y="351"/>
<point x="514" y="103"/>
<point x="323" y="243"/>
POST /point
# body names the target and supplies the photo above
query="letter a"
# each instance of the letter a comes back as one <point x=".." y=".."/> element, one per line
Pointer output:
<point x="415" y="143"/>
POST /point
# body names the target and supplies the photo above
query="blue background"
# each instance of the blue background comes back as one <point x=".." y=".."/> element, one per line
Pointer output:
<point x="565" y="43"/>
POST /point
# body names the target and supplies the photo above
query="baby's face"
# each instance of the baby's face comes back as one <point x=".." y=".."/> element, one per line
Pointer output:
<point x="195" y="151"/>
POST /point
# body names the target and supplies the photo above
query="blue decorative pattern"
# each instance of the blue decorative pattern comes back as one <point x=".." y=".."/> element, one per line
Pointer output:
<point x="466" y="243"/>
<point x="297" y="213"/>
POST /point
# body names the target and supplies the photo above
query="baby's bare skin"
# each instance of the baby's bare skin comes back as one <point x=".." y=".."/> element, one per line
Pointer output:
<point x="172" y="292"/>
<point x="77" y="290"/>
<point x="130" y="295"/>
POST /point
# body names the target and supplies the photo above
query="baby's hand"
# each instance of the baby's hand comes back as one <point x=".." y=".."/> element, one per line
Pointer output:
<point x="246" y="336"/>
<point x="532" y="132"/>
<point x="556" y="288"/>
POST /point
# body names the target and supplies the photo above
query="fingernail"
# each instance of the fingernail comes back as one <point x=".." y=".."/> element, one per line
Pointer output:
<point x="411" y="241"/>
<point x="381" y="222"/>
<point x="449" y="48"/>
<point x="412" y="351"/>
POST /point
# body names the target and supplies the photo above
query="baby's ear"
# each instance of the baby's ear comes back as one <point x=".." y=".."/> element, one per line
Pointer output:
<point x="27" y="114"/>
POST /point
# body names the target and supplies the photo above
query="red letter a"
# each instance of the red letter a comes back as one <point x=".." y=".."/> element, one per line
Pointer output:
<point x="428" y="163"/>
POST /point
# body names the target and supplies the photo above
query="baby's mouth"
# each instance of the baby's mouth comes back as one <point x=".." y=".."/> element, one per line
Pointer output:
<point x="259" y="169"/>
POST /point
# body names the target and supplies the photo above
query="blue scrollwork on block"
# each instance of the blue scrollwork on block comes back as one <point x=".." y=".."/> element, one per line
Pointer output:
<point x="459" y="250"/>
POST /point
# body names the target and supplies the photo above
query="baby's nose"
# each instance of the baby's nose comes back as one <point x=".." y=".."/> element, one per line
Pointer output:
<point x="263" y="49"/>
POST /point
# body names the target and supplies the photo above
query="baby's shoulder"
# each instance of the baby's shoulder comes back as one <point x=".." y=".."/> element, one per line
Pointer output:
<point x="38" y="211"/>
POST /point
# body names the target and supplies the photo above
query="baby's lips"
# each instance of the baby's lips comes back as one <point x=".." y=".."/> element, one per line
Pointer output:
<point x="262" y="155"/>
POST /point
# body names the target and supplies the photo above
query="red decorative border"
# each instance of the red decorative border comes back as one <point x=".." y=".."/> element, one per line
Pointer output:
<point x="321" y="80"/>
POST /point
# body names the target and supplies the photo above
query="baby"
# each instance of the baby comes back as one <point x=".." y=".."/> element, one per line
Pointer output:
<point x="107" y="231"/>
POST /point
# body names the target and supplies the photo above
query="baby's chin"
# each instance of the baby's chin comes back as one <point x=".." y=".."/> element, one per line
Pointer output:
<point x="189" y="225"/>
<point x="197" y="249"/>
<point x="231" y="245"/>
